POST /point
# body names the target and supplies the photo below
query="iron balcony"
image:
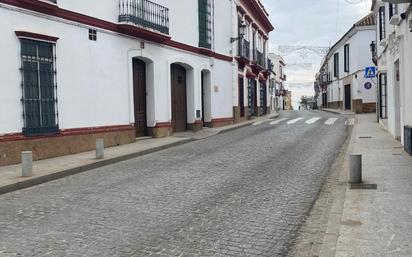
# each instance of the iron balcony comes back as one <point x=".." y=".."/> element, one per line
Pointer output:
<point x="244" y="48"/>
<point x="145" y="13"/>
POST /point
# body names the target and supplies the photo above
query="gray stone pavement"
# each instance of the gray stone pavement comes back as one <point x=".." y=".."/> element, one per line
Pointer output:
<point x="348" y="222"/>
<point x="54" y="168"/>
<point x="377" y="223"/>
<point x="243" y="193"/>
<point x="318" y="225"/>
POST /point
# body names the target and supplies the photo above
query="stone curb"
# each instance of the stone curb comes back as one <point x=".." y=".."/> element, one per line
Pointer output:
<point x="64" y="173"/>
<point x="336" y="112"/>
<point x="328" y="248"/>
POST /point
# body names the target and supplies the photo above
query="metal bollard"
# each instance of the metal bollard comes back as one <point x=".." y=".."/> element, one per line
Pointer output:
<point x="355" y="165"/>
<point x="26" y="164"/>
<point x="99" y="149"/>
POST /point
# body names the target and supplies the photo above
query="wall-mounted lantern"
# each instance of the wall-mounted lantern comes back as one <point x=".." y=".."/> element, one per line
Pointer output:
<point x="242" y="32"/>
<point x="374" y="52"/>
<point x="373" y="47"/>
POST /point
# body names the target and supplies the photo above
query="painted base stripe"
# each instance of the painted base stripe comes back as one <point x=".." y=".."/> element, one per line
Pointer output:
<point x="294" y="120"/>
<point x="331" y="121"/>
<point x="313" y="120"/>
<point x="277" y="121"/>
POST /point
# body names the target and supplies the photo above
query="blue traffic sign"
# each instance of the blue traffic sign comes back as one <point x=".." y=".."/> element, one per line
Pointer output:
<point x="368" y="85"/>
<point x="370" y="72"/>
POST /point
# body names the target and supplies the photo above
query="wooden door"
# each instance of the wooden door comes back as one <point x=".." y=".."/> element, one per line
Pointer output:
<point x="348" y="97"/>
<point x="179" y="102"/>
<point x="241" y="97"/>
<point x="263" y="98"/>
<point x="139" y="95"/>
<point x="255" y="99"/>
<point x="203" y="98"/>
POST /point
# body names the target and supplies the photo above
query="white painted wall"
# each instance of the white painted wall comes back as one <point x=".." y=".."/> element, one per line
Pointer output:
<point x="183" y="18"/>
<point x="95" y="79"/>
<point x="359" y="57"/>
<point x="223" y="16"/>
<point x="396" y="47"/>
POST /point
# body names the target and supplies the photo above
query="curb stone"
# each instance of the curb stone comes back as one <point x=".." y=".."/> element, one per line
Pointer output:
<point x="65" y="173"/>
<point x="72" y="171"/>
<point x="331" y="238"/>
<point x="336" y="112"/>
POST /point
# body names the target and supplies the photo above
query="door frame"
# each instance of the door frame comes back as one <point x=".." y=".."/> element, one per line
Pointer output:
<point x="206" y="95"/>
<point x="241" y="96"/>
<point x="397" y="99"/>
<point x="348" y="97"/>
<point x="173" y="68"/>
<point x="136" y="61"/>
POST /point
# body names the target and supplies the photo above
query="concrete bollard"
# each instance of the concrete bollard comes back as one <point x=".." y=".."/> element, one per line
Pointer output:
<point x="355" y="165"/>
<point x="99" y="149"/>
<point x="26" y="164"/>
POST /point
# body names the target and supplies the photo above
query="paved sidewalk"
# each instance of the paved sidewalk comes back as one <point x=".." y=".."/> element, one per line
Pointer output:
<point x="373" y="223"/>
<point x="54" y="168"/>
<point x="338" y="111"/>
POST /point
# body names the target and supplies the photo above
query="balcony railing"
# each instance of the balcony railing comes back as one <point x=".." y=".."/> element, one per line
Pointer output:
<point x="145" y="13"/>
<point x="270" y="64"/>
<point x="244" y="48"/>
<point x="259" y="58"/>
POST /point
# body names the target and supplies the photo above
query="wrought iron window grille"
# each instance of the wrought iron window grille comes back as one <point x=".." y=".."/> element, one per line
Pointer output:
<point x="92" y="34"/>
<point x="39" y="87"/>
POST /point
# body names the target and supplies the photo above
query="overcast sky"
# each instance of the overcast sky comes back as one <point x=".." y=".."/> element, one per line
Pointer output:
<point x="310" y="23"/>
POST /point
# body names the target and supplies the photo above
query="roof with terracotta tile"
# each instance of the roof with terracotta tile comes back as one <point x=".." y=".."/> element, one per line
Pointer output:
<point x="368" y="20"/>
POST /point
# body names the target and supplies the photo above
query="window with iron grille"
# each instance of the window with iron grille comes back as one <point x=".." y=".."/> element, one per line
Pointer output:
<point x="346" y="58"/>
<point x="393" y="10"/>
<point x="205" y="23"/>
<point x="92" y="34"/>
<point x="382" y="23"/>
<point x="383" y="109"/>
<point x="336" y="65"/>
<point x="38" y="87"/>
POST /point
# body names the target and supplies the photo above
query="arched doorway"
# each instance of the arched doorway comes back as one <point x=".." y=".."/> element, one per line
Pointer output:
<point x="139" y="97"/>
<point x="179" y="98"/>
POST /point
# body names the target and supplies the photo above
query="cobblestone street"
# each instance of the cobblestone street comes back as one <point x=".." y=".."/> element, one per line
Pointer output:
<point x="241" y="193"/>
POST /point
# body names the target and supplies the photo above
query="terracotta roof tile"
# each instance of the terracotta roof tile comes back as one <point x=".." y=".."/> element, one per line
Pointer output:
<point x="368" y="20"/>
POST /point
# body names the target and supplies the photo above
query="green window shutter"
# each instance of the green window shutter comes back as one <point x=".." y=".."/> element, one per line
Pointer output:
<point x="205" y="24"/>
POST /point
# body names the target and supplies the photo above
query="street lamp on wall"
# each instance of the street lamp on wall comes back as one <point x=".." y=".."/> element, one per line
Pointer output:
<point x="242" y="32"/>
<point x="374" y="52"/>
<point x="373" y="47"/>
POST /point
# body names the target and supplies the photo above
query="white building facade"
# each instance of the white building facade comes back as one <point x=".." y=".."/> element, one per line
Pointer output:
<point x="251" y="72"/>
<point x="342" y="84"/>
<point x="74" y="71"/>
<point x="278" y="82"/>
<point x="394" y="59"/>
